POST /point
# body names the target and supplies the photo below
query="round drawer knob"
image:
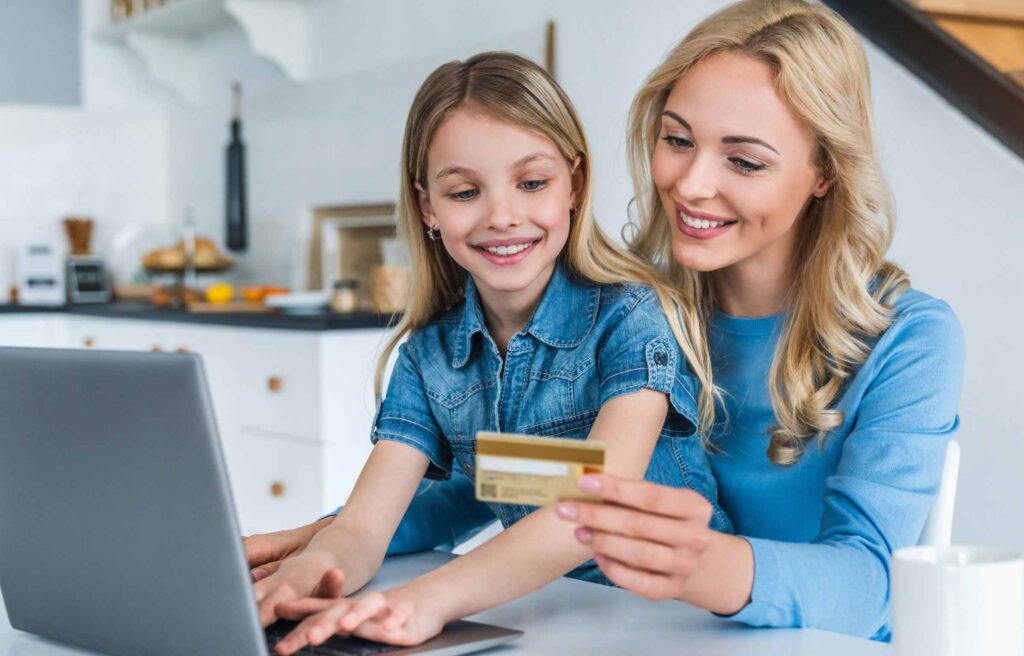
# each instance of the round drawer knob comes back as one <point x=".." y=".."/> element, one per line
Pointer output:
<point x="156" y="348"/>
<point x="181" y="349"/>
<point x="275" y="383"/>
<point x="88" y="342"/>
<point x="277" y="489"/>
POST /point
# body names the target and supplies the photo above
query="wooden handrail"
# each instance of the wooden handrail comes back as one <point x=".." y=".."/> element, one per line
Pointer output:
<point x="1011" y="11"/>
<point x="1001" y="44"/>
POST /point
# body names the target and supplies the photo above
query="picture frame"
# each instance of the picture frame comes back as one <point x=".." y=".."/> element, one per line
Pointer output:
<point x="345" y="243"/>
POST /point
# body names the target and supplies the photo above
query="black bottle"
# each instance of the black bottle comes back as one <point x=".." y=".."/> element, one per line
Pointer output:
<point x="237" y="237"/>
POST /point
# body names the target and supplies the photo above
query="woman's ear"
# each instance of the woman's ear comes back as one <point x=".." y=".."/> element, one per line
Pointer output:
<point x="821" y="187"/>
<point x="423" y="203"/>
<point x="826" y="174"/>
<point x="578" y="178"/>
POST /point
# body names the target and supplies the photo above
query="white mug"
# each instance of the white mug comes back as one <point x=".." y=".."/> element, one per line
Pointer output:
<point x="957" y="601"/>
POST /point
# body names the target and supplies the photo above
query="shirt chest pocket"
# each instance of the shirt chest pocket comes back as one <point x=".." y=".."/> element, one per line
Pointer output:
<point x="463" y="413"/>
<point x="562" y="401"/>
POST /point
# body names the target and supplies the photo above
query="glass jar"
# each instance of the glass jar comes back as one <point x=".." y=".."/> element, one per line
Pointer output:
<point x="344" y="298"/>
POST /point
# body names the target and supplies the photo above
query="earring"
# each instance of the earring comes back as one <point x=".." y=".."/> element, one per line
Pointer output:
<point x="433" y="235"/>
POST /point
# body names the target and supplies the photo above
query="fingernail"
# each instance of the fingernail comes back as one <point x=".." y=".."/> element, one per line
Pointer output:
<point x="589" y="484"/>
<point x="599" y="559"/>
<point x="566" y="511"/>
<point x="583" y="535"/>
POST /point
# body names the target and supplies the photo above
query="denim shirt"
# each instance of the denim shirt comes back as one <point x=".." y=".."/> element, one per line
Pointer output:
<point x="584" y="345"/>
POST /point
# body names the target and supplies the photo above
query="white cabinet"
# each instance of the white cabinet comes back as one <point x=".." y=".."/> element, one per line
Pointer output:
<point x="293" y="407"/>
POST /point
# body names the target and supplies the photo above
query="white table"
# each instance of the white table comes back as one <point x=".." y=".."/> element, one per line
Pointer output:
<point x="572" y="617"/>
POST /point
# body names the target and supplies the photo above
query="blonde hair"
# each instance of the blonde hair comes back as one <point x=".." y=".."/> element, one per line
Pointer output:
<point x="509" y="88"/>
<point x="843" y="286"/>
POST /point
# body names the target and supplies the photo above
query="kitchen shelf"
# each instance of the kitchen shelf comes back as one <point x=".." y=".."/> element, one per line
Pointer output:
<point x="165" y="38"/>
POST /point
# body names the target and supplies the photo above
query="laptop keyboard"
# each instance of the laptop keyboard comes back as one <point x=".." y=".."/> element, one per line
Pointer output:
<point x="334" y="646"/>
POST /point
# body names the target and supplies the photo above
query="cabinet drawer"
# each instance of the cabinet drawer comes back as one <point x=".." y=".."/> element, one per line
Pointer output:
<point x="276" y="481"/>
<point x="275" y="383"/>
<point x="109" y="334"/>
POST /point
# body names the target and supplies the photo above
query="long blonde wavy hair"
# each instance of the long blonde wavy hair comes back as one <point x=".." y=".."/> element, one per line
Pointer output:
<point x="513" y="89"/>
<point x="843" y="287"/>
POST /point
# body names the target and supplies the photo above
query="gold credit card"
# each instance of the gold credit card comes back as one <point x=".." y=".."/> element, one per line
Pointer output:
<point x="533" y="471"/>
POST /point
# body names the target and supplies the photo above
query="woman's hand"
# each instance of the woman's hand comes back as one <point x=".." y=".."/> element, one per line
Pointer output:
<point x="646" y="538"/>
<point x="265" y="551"/>
<point x="298" y="577"/>
<point x="396" y="617"/>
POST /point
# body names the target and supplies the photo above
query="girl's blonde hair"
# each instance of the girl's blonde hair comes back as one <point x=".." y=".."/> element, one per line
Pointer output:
<point x="509" y="88"/>
<point x="843" y="286"/>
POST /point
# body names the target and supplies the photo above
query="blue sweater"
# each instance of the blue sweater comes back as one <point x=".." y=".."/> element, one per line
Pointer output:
<point x="822" y="530"/>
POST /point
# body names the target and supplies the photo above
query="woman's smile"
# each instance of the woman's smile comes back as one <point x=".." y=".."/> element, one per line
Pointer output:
<point x="701" y="225"/>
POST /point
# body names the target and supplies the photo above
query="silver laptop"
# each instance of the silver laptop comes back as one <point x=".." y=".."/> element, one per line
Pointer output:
<point x="117" y="526"/>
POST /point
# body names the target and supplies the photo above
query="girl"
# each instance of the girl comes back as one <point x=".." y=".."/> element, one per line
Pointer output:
<point x="523" y="319"/>
<point x="759" y="193"/>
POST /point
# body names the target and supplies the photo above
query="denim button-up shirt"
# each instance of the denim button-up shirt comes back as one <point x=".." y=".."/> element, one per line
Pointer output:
<point x="584" y="345"/>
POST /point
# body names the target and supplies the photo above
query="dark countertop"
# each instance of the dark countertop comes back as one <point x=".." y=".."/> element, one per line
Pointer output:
<point x="144" y="311"/>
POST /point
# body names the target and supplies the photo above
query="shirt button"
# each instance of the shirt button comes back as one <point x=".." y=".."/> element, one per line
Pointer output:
<point x="660" y="359"/>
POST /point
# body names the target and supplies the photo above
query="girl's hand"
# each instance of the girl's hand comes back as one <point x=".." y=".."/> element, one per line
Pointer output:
<point x="311" y="573"/>
<point x="396" y="617"/>
<point x="646" y="538"/>
<point x="265" y="551"/>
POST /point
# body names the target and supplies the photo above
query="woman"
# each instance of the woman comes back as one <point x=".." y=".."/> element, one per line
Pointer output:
<point x="758" y="190"/>
<point x="759" y="193"/>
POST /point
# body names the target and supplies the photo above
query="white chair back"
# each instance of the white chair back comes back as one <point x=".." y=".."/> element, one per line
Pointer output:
<point x="938" y="530"/>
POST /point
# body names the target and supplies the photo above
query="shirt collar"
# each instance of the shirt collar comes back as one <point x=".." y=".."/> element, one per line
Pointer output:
<point x="564" y="317"/>
<point x="472" y="323"/>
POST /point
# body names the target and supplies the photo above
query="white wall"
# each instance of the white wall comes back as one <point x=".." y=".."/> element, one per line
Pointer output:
<point x="336" y="140"/>
<point x="960" y="203"/>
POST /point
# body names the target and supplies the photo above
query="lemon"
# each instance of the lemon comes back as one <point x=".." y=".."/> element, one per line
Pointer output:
<point x="220" y="292"/>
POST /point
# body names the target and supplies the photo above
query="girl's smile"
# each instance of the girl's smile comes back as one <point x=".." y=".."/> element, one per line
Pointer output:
<point x="506" y="252"/>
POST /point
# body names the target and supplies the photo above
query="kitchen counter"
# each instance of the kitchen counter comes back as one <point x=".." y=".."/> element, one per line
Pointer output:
<point x="143" y="311"/>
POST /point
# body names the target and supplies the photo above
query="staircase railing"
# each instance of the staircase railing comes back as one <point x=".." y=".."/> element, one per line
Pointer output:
<point x="954" y="71"/>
